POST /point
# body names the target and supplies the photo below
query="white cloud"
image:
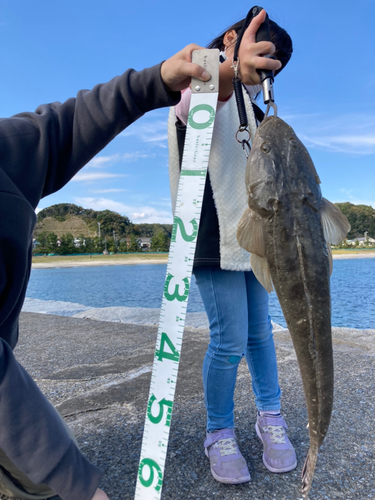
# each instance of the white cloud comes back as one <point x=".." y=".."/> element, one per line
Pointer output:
<point x="97" y="176"/>
<point x="149" y="130"/>
<point x="106" y="161"/>
<point x="114" y="190"/>
<point x="136" y="213"/>
<point x="352" y="134"/>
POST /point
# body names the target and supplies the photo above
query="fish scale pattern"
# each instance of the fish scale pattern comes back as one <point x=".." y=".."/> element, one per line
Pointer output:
<point x="227" y="166"/>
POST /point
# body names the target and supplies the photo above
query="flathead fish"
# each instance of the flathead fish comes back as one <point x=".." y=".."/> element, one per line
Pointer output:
<point x="288" y="229"/>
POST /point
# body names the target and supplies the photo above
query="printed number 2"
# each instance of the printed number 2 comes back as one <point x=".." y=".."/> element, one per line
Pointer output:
<point x="186" y="237"/>
<point x="152" y="465"/>
<point x="161" y="354"/>
<point x="161" y="403"/>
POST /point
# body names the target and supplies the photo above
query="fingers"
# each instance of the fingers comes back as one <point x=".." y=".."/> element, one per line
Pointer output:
<point x="255" y="25"/>
<point x="177" y="71"/>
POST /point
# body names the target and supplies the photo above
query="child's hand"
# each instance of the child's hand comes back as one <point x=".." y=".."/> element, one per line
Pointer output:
<point x="250" y="53"/>
<point x="177" y="71"/>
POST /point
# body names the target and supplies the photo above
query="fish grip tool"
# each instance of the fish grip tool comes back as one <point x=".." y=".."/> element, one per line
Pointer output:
<point x="201" y="117"/>
<point x="266" y="77"/>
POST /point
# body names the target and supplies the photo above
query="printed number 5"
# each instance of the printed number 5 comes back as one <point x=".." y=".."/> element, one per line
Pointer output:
<point x="161" y="403"/>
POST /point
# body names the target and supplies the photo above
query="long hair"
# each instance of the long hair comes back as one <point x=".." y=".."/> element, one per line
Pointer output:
<point x="279" y="37"/>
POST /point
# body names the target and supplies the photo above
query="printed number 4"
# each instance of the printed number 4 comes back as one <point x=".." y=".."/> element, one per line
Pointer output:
<point x="161" y="354"/>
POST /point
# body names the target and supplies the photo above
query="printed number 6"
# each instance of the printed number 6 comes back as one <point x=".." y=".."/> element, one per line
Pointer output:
<point x="152" y="465"/>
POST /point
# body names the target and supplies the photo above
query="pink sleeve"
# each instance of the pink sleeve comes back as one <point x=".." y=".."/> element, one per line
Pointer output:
<point x="182" y="108"/>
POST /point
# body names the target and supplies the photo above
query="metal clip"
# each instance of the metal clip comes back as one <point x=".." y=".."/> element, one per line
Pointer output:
<point x="271" y="105"/>
<point x="244" y="142"/>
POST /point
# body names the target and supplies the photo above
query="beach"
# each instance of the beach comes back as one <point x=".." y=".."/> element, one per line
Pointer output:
<point x="148" y="258"/>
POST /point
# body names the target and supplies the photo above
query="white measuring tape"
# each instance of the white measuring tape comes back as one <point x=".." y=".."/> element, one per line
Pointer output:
<point x="177" y="284"/>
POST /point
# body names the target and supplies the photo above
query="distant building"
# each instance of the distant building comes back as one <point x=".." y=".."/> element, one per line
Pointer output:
<point x="145" y="242"/>
<point x="363" y="241"/>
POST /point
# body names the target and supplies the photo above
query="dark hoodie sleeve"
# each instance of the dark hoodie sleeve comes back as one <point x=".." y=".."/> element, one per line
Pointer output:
<point x="42" y="151"/>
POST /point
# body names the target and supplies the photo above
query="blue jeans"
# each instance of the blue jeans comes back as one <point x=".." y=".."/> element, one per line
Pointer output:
<point x="237" y="308"/>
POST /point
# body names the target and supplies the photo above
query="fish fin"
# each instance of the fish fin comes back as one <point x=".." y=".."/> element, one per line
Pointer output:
<point x="261" y="270"/>
<point x="330" y="258"/>
<point x="250" y="233"/>
<point x="335" y="225"/>
<point x="308" y="472"/>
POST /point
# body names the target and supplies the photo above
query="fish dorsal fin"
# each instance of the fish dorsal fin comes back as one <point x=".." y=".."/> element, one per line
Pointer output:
<point x="261" y="270"/>
<point x="250" y="235"/>
<point x="335" y="225"/>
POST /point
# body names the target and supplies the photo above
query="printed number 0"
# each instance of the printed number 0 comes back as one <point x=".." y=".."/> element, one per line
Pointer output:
<point x="152" y="465"/>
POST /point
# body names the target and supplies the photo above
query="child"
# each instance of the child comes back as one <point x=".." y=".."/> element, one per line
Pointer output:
<point x="235" y="302"/>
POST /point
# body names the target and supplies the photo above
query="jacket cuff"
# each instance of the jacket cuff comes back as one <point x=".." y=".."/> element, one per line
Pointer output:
<point x="74" y="478"/>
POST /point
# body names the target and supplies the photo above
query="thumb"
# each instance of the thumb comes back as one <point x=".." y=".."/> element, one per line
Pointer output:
<point x="197" y="71"/>
<point x="255" y="24"/>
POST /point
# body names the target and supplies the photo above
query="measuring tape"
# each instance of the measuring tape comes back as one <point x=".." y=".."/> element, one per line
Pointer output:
<point x="177" y="284"/>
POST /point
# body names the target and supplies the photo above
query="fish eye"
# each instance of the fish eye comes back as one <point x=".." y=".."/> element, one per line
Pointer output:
<point x="265" y="147"/>
<point x="293" y="141"/>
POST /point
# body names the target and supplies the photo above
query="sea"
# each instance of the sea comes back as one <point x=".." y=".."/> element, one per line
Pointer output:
<point x="352" y="289"/>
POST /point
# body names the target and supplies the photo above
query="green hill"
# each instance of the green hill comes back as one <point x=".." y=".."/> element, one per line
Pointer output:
<point x="69" y="218"/>
<point x="361" y="219"/>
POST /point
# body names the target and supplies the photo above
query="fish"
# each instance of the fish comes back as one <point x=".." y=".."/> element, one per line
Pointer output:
<point x="288" y="228"/>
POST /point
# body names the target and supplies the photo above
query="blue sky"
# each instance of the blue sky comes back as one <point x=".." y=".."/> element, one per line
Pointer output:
<point x="50" y="49"/>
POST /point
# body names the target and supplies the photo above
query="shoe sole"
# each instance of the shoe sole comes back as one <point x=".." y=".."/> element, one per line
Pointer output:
<point x="271" y="469"/>
<point x="240" y="480"/>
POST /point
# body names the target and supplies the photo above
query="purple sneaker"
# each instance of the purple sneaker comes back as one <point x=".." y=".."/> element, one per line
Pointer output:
<point x="227" y="463"/>
<point x="278" y="453"/>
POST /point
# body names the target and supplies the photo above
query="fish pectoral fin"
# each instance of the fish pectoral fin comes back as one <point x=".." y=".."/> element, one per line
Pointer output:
<point x="335" y="225"/>
<point x="261" y="270"/>
<point x="330" y="259"/>
<point x="250" y="234"/>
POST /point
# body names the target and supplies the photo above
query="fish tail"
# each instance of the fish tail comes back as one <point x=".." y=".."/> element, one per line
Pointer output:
<point x="308" y="472"/>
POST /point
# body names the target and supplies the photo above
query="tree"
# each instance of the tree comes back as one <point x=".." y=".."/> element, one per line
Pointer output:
<point x="134" y="244"/>
<point x="123" y="245"/>
<point x="160" y="242"/>
<point x="67" y="244"/>
<point x="51" y="243"/>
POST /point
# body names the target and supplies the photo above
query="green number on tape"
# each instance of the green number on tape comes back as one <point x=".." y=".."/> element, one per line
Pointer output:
<point x="178" y="222"/>
<point x="161" y="403"/>
<point x="161" y="354"/>
<point x="152" y="465"/>
<point x="208" y="122"/>
<point x="175" y="295"/>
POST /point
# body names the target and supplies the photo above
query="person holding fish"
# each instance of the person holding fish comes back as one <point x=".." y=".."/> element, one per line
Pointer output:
<point x="236" y="303"/>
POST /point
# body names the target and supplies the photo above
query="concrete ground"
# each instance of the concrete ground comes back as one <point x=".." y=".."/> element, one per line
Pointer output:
<point x="97" y="374"/>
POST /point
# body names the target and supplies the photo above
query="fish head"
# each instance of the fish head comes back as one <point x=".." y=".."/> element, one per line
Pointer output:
<point x="279" y="169"/>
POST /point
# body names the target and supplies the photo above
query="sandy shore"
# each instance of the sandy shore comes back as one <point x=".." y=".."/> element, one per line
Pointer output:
<point x="51" y="262"/>
<point x="88" y="263"/>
